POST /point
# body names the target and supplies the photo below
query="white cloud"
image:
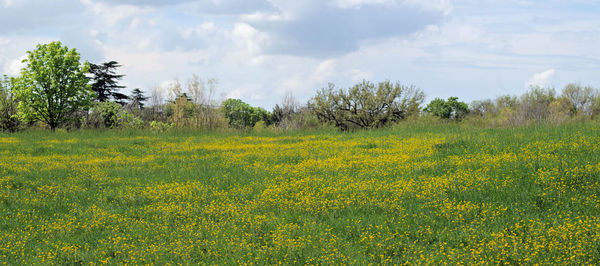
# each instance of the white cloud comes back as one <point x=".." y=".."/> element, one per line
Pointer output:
<point x="541" y="79"/>
<point x="325" y="70"/>
<point x="439" y="5"/>
<point x="359" y="3"/>
<point x="358" y="75"/>
<point x="263" y="48"/>
<point x="14" y="67"/>
<point x="7" y="3"/>
<point x="249" y="38"/>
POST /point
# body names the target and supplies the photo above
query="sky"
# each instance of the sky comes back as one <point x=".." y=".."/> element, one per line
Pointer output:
<point x="261" y="50"/>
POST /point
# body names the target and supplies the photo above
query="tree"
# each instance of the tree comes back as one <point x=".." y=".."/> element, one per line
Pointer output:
<point x="366" y="105"/>
<point x="283" y="116"/>
<point x="9" y="120"/>
<point x="581" y="98"/>
<point x="137" y="98"/>
<point x="484" y="108"/>
<point x="451" y="109"/>
<point x="534" y="104"/>
<point x="52" y="85"/>
<point x="241" y="115"/>
<point x="104" y="82"/>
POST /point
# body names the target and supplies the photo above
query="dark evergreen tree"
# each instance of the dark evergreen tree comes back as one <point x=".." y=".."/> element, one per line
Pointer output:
<point x="104" y="82"/>
<point x="137" y="98"/>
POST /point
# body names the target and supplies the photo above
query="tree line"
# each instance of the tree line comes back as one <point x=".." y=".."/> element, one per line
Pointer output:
<point x="56" y="90"/>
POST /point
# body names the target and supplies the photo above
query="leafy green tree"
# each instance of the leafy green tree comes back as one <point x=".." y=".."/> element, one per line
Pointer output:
<point x="52" y="85"/>
<point x="9" y="120"/>
<point x="366" y="105"/>
<point x="105" y="82"/>
<point x="451" y="109"/>
<point x="241" y="115"/>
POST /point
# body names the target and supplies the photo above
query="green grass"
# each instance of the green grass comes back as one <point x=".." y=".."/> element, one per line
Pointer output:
<point x="410" y="194"/>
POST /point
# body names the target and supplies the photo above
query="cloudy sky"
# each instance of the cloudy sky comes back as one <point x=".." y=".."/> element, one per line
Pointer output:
<point x="261" y="49"/>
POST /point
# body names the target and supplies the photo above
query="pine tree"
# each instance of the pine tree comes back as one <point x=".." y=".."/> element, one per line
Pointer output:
<point x="137" y="98"/>
<point x="104" y="82"/>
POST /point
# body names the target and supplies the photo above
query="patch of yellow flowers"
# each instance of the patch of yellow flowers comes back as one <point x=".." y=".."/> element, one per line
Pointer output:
<point x="294" y="199"/>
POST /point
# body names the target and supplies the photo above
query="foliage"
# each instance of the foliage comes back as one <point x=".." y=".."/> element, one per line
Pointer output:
<point x="241" y="115"/>
<point x="111" y="115"/>
<point x="52" y="85"/>
<point x="451" y="109"/>
<point x="128" y="120"/>
<point x="105" y="82"/>
<point x="108" y="111"/>
<point x="181" y="111"/>
<point x="158" y="126"/>
<point x="366" y="105"/>
<point x="9" y="120"/>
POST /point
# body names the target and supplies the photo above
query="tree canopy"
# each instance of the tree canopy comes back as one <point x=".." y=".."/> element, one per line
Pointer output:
<point x="105" y="82"/>
<point x="241" y="115"/>
<point x="52" y="85"/>
<point x="451" y="109"/>
<point x="366" y="105"/>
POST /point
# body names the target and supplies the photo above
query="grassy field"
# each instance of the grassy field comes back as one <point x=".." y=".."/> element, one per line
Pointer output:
<point x="438" y="194"/>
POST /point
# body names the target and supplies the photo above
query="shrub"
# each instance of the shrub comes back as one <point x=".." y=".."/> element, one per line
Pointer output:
<point x="181" y="111"/>
<point x="128" y="120"/>
<point x="559" y="111"/>
<point x="111" y="115"/>
<point x="158" y="126"/>
<point x="108" y="111"/>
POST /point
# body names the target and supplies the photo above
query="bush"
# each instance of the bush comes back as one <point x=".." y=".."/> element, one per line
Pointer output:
<point x="111" y="115"/>
<point x="128" y="120"/>
<point x="559" y="111"/>
<point x="366" y="105"/>
<point x="181" y="112"/>
<point x="158" y="126"/>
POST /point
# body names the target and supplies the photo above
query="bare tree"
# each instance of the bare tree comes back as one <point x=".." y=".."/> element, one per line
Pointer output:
<point x="195" y="89"/>
<point x="534" y="105"/>
<point x="156" y="96"/>
<point x="174" y="89"/>
<point x="581" y="98"/>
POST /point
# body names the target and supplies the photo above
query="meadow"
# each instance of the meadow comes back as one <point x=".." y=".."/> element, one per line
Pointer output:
<point x="405" y="195"/>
